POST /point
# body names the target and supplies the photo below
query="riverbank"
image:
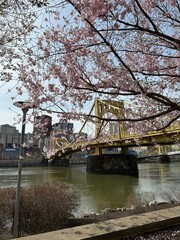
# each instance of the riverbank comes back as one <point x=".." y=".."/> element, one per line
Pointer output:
<point x="25" y="163"/>
<point x="109" y="213"/>
<point x="161" y="224"/>
<point x="164" y="233"/>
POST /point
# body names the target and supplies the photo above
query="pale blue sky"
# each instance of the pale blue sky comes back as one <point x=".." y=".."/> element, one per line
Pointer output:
<point x="10" y="114"/>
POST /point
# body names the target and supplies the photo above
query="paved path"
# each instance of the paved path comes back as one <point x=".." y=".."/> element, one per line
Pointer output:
<point x="115" y="229"/>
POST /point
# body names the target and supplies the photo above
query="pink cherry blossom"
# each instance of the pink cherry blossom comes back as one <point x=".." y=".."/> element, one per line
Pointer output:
<point x="113" y="50"/>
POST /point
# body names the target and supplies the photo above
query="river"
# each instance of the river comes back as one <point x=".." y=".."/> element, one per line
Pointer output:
<point x="101" y="191"/>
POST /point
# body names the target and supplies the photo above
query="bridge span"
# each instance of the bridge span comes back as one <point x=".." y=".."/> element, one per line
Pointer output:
<point x="121" y="138"/>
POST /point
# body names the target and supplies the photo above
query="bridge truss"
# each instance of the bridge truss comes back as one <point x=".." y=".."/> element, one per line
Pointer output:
<point x="112" y="134"/>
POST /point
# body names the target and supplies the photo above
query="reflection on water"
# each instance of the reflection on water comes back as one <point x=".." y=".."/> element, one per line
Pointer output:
<point x="100" y="191"/>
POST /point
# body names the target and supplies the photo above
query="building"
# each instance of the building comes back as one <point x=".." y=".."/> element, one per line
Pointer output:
<point x="63" y="126"/>
<point x="114" y="128"/>
<point x="9" y="136"/>
<point x="63" y="129"/>
<point x="41" y="130"/>
<point x="10" y="139"/>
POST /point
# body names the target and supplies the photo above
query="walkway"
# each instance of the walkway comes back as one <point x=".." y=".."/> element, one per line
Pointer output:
<point x="115" y="229"/>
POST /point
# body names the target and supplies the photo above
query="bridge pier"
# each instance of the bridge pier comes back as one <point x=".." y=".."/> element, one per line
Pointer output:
<point x="113" y="164"/>
<point x="124" y="150"/>
<point x="98" y="151"/>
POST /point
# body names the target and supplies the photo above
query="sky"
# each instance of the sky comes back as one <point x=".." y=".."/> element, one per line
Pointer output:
<point x="10" y="114"/>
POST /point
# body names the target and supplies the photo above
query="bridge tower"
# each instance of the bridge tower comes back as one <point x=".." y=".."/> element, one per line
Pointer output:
<point x="103" y="107"/>
<point x="111" y="163"/>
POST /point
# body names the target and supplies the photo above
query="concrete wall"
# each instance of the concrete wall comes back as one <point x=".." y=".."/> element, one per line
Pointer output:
<point x="116" y="228"/>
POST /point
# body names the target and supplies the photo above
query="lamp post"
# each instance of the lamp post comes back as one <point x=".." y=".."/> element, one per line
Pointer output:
<point x="24" y="107"/>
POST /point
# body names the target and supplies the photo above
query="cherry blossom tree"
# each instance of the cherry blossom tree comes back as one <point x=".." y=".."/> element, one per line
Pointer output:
<point x="17" y="20"/>
<point x="115" y="50"/>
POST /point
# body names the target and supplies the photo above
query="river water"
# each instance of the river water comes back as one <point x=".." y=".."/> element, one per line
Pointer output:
<point x="101" y="191"/>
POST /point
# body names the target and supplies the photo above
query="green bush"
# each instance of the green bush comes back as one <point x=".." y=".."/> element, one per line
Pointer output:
<point x="43" y="208"/>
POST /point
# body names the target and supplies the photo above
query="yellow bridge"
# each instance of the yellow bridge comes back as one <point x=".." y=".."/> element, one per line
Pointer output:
<point x="118" y="135"/>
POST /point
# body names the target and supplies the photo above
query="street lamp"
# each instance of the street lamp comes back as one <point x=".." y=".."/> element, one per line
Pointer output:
<point x="24" y="107"/>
